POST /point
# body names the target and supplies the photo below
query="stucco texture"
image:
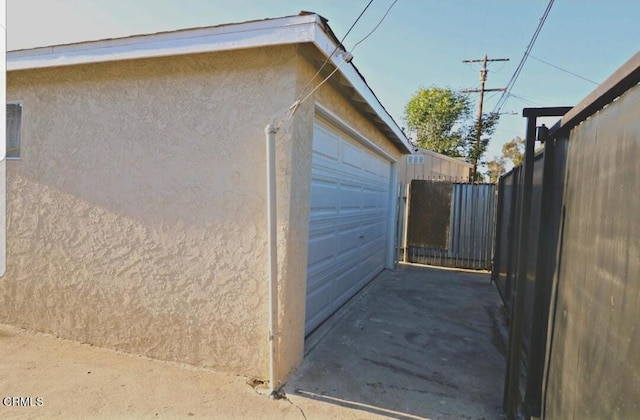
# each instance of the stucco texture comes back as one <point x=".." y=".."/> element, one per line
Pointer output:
<point x="136" y="214"/>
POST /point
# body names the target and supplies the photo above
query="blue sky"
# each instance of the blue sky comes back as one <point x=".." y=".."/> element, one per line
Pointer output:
<point x="421" y="43"/>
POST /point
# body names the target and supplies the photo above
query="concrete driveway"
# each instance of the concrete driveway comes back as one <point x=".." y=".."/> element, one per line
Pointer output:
<point x="418" y="343"/>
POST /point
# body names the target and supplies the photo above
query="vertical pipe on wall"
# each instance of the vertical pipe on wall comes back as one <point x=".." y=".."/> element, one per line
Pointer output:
<point x="272" y="257"/>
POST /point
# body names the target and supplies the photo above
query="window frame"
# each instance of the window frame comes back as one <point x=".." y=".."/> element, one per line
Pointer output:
<point x="415" y="159"/>
<point x="21" y="103"/>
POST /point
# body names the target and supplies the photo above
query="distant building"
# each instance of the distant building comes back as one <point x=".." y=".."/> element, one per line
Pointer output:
<point x="427" y="164"/>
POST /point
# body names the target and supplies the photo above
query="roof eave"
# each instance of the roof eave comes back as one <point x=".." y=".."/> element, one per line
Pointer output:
<point x="303" y="28"/>
<point x="287" y="30"/>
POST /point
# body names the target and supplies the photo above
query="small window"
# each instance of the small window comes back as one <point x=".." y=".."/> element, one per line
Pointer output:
<point x="14" y="130"/>
<point x="415" y="159"/>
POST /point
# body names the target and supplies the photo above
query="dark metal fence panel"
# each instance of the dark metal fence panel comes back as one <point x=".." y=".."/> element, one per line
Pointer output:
<point x="572" y="264"/>
<point x="503" y="272"/>
<point x="555" y="158"/>
<point x="524" y="304"/>
<point x="534" y="227"/>
<point x="515" y="235"/>
<point x="593" y="360"/>
<point x="451" y="224"/>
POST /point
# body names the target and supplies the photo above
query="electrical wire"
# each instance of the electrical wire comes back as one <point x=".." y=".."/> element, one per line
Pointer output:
<point x="505" y="95"/>
<point x="564" y="70"/>
<point x="524" y="100"/>
<point x="493" y="95"/>
<point x="501" y="68"/>
<point x="299" y="102"/>
<point x="334" y="50"/>
<point x="375" y="27"/>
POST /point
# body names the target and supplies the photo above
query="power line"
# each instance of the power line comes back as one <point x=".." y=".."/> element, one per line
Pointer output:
<point x="334" y="50"/>
<point x="513" y="79"/>
<point x="375" y="27"/>
<point x="564" y="70"/>
<point x="348" y="58"/>
<point x="524" y="100"/>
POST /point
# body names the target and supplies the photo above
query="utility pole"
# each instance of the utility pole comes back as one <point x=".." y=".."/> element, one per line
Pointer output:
<point x="482" y="90"/>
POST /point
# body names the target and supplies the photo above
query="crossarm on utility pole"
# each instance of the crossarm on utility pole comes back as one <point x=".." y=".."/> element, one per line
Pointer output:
<point x="481" y="91"/>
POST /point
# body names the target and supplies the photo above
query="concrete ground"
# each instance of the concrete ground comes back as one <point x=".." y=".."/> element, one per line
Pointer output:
<point x="418" y="343"/>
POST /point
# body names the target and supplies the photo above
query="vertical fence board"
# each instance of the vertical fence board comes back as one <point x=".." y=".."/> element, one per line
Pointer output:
<point x="594" y="359"/>
<point x="469" y="224"/>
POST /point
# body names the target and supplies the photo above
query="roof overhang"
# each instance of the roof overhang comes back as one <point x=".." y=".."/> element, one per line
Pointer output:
<point x="304" y="28"/>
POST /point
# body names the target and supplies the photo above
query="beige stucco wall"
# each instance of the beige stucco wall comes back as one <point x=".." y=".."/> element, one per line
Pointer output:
<point x="294" y="202"/>
<point x="136" y="214"/>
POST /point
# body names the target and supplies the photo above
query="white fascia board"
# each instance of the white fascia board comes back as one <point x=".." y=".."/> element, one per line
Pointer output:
<point x="280" y="31"/>
<point x="325" y="44"/>
<point x="263" y="33"/>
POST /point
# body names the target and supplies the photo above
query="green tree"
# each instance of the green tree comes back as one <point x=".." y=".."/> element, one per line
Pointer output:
<point x="495" y="168"/>
<point x="436" y="118"/>
<point x="514" y="151"/>
<point x="473" y="150"/>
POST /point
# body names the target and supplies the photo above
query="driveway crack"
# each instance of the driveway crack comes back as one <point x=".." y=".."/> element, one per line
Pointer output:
<point x="293" y="404"/>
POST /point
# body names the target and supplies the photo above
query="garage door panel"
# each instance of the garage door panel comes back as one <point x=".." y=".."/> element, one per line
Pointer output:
<point x="328" y="145"/>
<point x="371" y="165"/>
<point x="321" y="275"/>
<point x="349" y="198"/>
<point x="319" y="304"/>
<point x="370" y="199"/>
<point x="344" y="284"/>
<point x="356" y="180"/>
<point x="325" y="196"/>
<point x="349" y="239"/>
<point x="374" y="245"/>
<point x="352" y="156"/>
<point x="321" y="248"/>
<point x="370" y="232"/>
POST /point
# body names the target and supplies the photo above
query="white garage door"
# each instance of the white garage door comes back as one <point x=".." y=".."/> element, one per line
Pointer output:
<point x="348" y="221"/>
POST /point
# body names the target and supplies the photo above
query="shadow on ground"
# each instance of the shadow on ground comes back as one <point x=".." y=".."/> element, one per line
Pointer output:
<point x="418" y="343"/>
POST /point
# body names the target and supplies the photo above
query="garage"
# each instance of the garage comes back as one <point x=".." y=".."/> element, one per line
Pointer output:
<point x="348" y="221"/>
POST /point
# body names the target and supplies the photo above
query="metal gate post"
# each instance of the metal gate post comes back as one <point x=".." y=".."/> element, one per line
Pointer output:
<point x="512" y="392"/>
<point x="405" y="254"/>
<point x="495" y="272"/>
<point x="512" y="395"/>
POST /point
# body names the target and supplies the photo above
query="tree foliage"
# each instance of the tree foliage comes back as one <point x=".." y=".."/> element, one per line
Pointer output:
<point x="473" y="150"/>
<point x="495" y="168"/>
<point x="441" y="120"/>
<point x="435" y="117"/>
<point x="514" y="151"/>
